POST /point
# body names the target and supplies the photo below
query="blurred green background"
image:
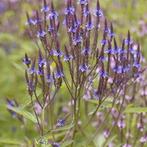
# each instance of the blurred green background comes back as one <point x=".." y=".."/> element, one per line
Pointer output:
<point x="125" y="15"/>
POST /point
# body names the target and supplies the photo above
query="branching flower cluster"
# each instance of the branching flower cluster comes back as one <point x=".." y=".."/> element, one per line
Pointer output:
<point x="81" y="53"/>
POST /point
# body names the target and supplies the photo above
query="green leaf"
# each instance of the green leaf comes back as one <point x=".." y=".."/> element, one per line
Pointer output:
<point x="106" y="103"/>
<point x="135" y="109"/>
<point x="10" y="141"/>
<point x="24" y="113"/>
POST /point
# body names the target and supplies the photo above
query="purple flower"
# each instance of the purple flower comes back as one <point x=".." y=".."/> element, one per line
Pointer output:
<point x="31" y="70"/>
<point x="53" y="15"/>
<point x="74" y="27"/>
<point x="98" y="12"/>
<point x="106" y="133"/>
<point x="77" y="39"/>
<point x="60" y="123"/>
<point x="137" y="65"/>
<point x="41" y="62"/>
<point x="49" y="78"/>
<point x="31" y="22"/>
<point x="143" y="139"/>
<point x="127" y="145"/>
<point x="83" y="2"/>
<point x="40" y="71"/>
<point x="51" y="29"/>
<point x="45" y="9"/>
<point x="26" y="60"/>
<point x="102" y="58"/>
<point x="103" y="74"/>
<point x="57" y="53"/>
<point x="120" y="69"/>
<point x="59" y="74"/>
<point x="41" y="33"/>
<point x="68" y="57"/>
<point x="103" y="42"/>
<point x="86" y="51"/>
<point x="121" y="124"/>
<point x="55" y="144"/>
<point x="10" y="104"/>
<point x="83" y="68"/>
<point x="89" y="26"/>
<point x="127" y="41"/>
<point x="97" y="94"/>
<point x="37" y="108"/>
<point x="69" y="10"/>
<point x="86" y="12"/>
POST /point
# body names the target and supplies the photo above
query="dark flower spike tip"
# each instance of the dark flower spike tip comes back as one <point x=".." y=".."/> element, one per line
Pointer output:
<point x="106" y="30"/>
<point x="41" y="61"/>
<point x="98" y="12"/>
<point x="45" y="8"/>
<point x="89" y="25"/>
<point x="98" y="5"/>
<point x="111" y="33"/>
<point x="86" y="10"/>
<point x="38" y="18"/>
<point x="128" y="41"/>
<point x="60" y="123"/>
<point x="83" y="68"/>
<point x="83" y="2"/>
<point x="32" y="69"/>
<point x="67" y="57"/>
<point x="52" y="14"/>
<point x="69" y="10"/>
<point x="115" y="46"/>
<point x="26" y="60"/>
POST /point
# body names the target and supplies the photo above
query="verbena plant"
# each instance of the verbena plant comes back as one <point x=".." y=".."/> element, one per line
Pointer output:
<point x="82" y="80"/>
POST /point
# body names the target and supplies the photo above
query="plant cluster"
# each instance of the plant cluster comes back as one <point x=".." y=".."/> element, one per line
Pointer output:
<point x="100" y="76"/>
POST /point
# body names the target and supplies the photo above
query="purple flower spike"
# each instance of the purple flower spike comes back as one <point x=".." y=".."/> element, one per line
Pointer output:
<point x="89" y="26"/>
<point x="49" y="78"/>
<point x="143" y="139"/>
<point x="98" y="13"/>
<point x="77" y="40"/>
<point x="55" y="144"/>
<point x="83" y="2"/>
<point x="121" y="124"/>
<point x="68" y="57"/>
<point x="83" y="68"/>
<point x="86" y="51"/>
<point x="86" y="11"/>
<point x="59" y="74"/>
<point x="60" y="123"/>
<point x="41" y="34"/>
<point x="69" y="11"/>
<point x="103" y="42"/>
<point x="53" y="15"/>
<point x="26" y="60"/>
<point x="45" y="9"/>
<point x="40" y="71"/>
<point x="56" y="53"/>
<point x="31" y="71"/>
<point x="103" y="74"/>
<point x="31" y="22"/>
<point x="137" y="65"/>
<point x="127" y="145"/>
